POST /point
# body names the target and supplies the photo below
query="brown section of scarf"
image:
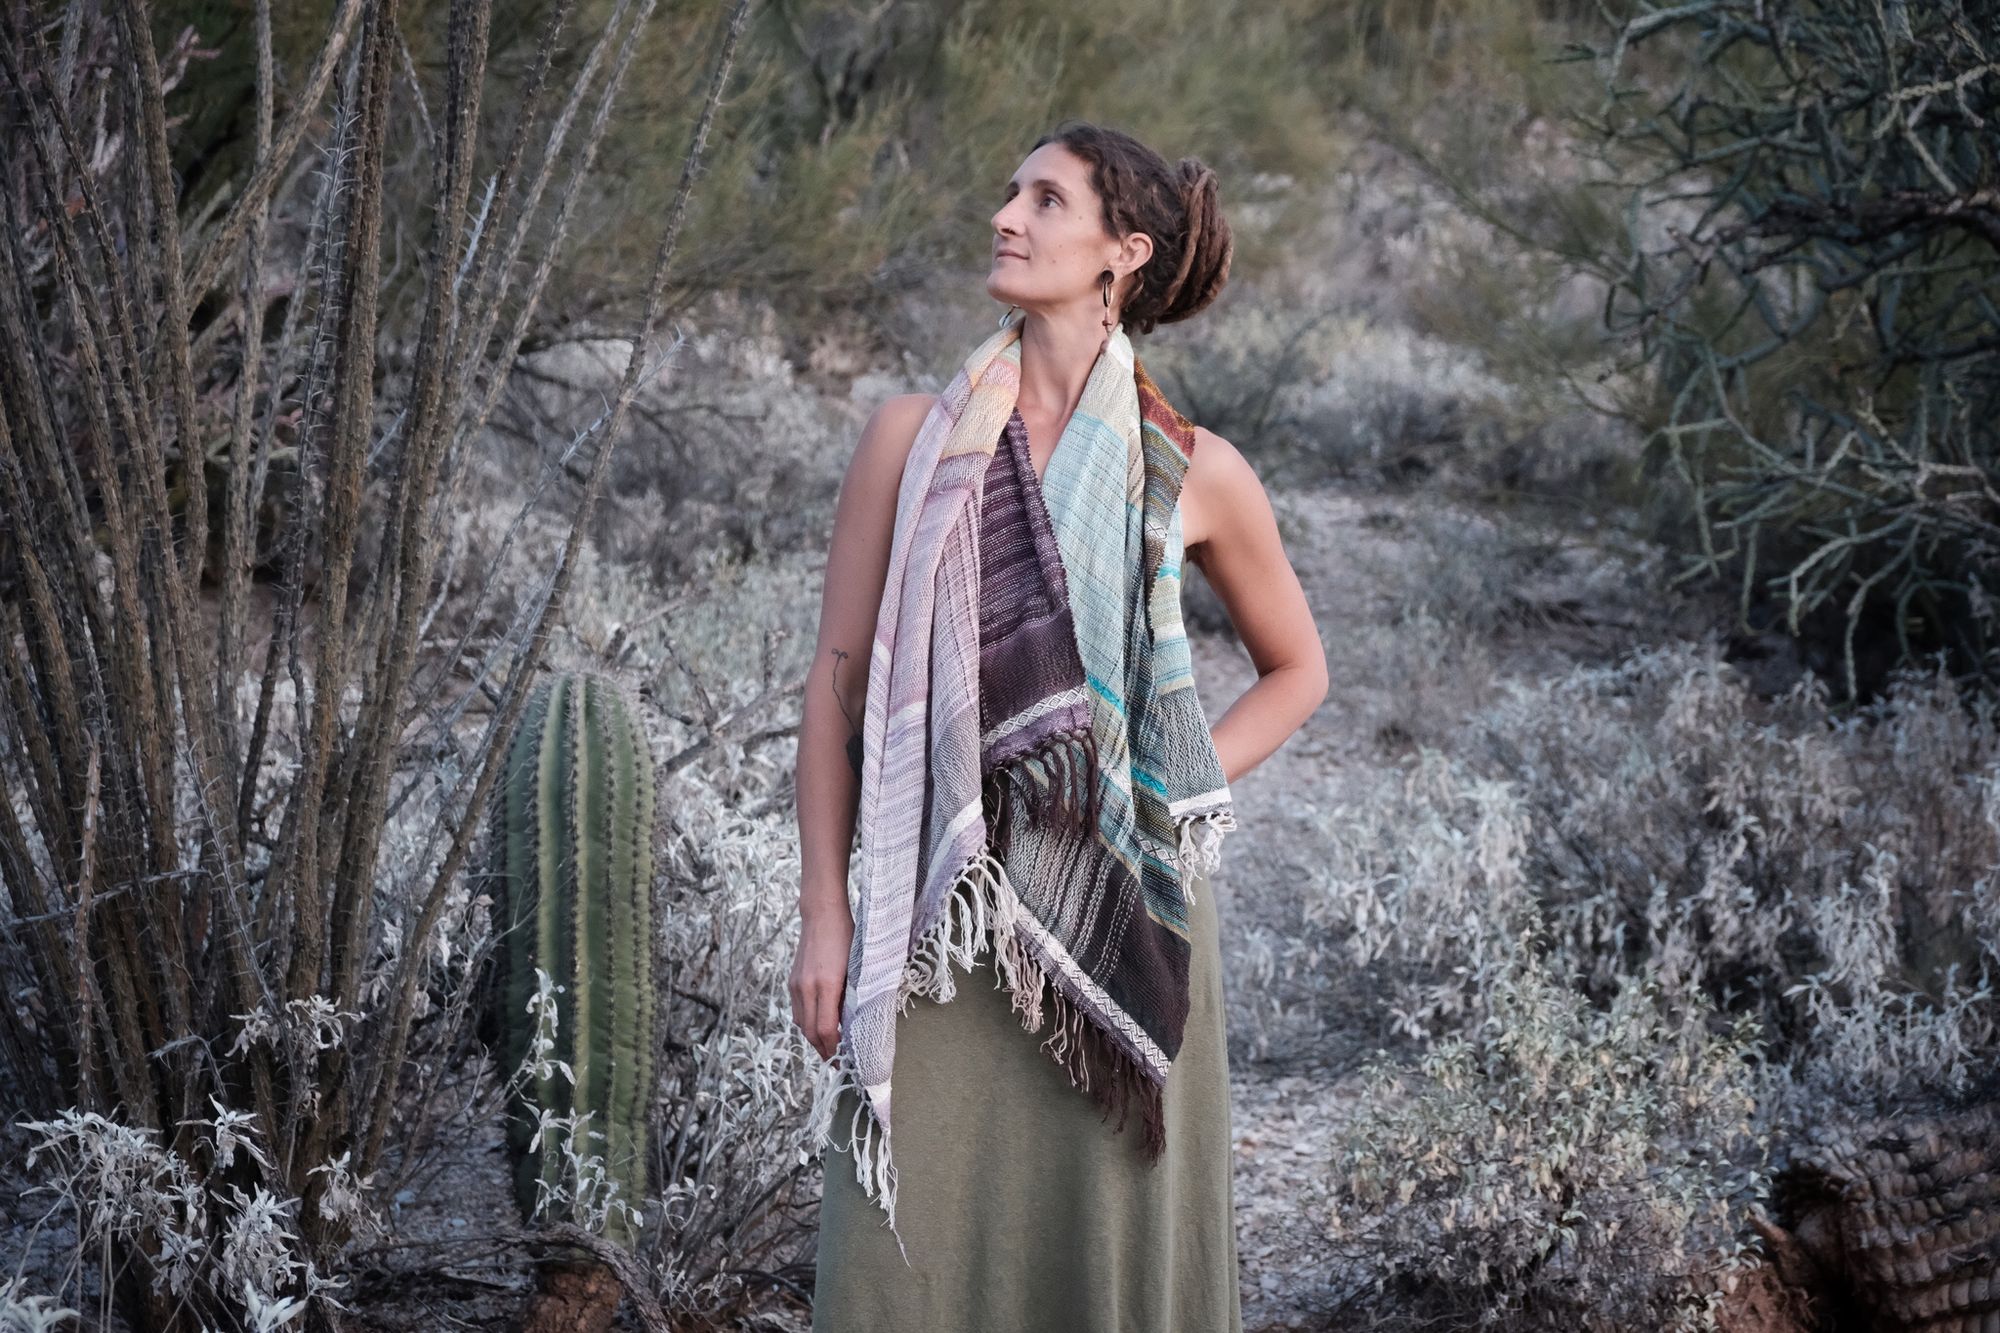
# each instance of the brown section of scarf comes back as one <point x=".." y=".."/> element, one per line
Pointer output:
<point x="1043" y="760"/>
<point x="1027" y="654"/>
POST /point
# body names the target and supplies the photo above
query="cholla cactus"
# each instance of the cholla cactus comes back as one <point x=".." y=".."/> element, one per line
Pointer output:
<point x="570" y="868"/>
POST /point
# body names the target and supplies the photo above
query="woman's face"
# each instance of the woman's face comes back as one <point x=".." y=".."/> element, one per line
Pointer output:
<point x="1049" y="242"/>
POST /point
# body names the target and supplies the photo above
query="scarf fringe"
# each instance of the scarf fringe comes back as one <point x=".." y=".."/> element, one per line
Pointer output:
<point x="1056" y="784"/>
<point x="980" y="907"/>
<point x="866" y="1138"/>
<point x="1201" y="844"/>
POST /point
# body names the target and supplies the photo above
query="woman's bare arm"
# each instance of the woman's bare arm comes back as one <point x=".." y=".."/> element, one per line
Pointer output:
<point x="1243" y="558"/>
<point x="836" y="692"/>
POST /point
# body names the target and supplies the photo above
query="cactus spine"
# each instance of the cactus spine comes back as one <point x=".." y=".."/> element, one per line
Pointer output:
<point x="570" y="869"/>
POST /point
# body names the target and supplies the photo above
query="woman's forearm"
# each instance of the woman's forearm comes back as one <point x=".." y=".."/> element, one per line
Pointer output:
<point x="828" y="787"/>
<point x="1265" y="715"/>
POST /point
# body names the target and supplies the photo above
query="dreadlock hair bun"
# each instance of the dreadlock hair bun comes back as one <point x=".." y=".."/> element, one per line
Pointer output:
<point x="1177" y="205"/>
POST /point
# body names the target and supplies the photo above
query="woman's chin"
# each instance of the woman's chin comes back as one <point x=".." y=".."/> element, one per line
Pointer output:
<point x="1000" y="289"/>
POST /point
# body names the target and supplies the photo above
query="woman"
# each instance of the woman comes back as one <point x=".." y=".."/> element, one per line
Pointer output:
<point x="1005" y="505"/>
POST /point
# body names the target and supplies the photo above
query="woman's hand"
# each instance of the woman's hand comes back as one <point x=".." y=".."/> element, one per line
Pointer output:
<point x="819" y="976"/>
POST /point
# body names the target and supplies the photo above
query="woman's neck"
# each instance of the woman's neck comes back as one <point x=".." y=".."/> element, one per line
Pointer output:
<point x="1057" y="353"/>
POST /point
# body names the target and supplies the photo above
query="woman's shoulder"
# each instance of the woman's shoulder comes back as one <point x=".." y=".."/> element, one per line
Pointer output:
<point x="886" y="440"/>
<point x="901" y="415"/>
<point x="1217" y="476"/>
<point x="1212" y="453"/>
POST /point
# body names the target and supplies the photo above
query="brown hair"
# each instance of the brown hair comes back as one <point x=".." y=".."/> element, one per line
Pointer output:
<point x="1175" y="205"/>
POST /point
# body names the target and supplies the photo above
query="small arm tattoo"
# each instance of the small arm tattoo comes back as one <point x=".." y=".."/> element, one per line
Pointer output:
<point x="854" y="743"/>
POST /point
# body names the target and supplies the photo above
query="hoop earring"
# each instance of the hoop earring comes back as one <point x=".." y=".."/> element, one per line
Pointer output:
<point x="1106" y="286"/>
<point x="1008" y="313"/>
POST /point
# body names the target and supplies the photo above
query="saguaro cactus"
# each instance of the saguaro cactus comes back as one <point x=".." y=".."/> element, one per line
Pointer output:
<point x="570" y="867"/>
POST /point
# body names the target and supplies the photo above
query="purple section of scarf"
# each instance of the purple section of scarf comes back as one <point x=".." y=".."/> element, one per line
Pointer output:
<point x="1027" y="640"/>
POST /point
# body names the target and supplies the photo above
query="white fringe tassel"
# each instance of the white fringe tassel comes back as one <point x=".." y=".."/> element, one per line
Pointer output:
<point x="1201" y="844"/>
<point x="980" y="905"/>
<point x="866" y="1138"/>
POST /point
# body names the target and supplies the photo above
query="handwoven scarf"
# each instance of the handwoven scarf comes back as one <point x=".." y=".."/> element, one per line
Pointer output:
<point x="1036" y="767"/>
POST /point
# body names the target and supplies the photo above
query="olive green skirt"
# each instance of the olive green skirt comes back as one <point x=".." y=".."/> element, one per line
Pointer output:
<point x="1023" y="1209"/>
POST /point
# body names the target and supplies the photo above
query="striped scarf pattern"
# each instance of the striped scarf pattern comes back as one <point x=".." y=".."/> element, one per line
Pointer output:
<point x="1036" y="768"/>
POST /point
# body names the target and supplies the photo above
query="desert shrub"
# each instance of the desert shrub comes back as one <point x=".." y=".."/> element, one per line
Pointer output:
<point x="734" y="459"/>
<point x="22" y="1311"/>
<point x="1553" y="1165"/>
<point x="1774" y="902"/>
<point x="1835" y="876"/>
<point x="1313" y="393"/>
<point x="1465" y="570"/>
<point x="738" y="1191"/>
<point x="115" y="1184"/>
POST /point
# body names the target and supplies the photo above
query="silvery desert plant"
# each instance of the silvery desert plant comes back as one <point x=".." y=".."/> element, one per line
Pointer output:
<point x="24" y="1312"/>
<point x="1751" y="919"/>
<point x="1833" y="873"/>
<point x="1554" y="1166"/>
